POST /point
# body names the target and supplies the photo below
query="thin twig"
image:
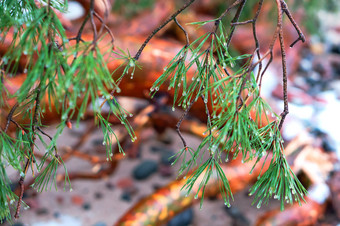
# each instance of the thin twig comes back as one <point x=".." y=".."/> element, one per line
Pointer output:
<point x="139" y="52"/>
<point x="94" y="28"/>
<point x="285" y="9"/>
<point x="236" y="18"/>
<point x="284" y="65"/>
<point x="105" y="26"/>
<point x="185" y="32"/>
<point x="28" y="161"/>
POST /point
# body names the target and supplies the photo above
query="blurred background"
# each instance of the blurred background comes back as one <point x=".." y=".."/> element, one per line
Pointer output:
<point x="143" y="183"/>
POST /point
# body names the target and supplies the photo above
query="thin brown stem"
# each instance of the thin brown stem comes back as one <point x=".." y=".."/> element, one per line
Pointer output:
<point x="32" y="144"/>
<point x="139" y="52"/>
<point x="236" y="18"/>
<point x="285" y="9"/>
<point x="185" y="32"/>
<point x="105" y="26"/>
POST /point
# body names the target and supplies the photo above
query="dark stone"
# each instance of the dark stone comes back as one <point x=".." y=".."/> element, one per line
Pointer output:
<point x="18" y="224"/>
<point x="157" y="149"/>
<point x="328" y="144"/>
<point x="166" y="139"/>
<point x="335" y="49"/>
<point x="99" y="224"/>
<point x="145" y="169"/>
<point x="98" y="195"/>
<point x="97" y="142"/>
<point x="156" y="186"/>
<point x="42" y="211"/>
<point x="109" y="186"/>
<point x="87" y="206"/>
<point x="238" y="218"/>
<point x="56" y="214"/>
<point x="126" y="196"/>
<point x="182" y="219"/>
<point x="167" y="158"/>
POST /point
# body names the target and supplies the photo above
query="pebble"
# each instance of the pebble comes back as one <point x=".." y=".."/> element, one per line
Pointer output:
<point x="56" y="214"/>
<point x="86" y="206"/>
<point x="167" y="158"/>
<point x="109" y="186"/>
<point x="124" y="183"/>
<point x="126" y="196"/>
<point x="99" y="224"/>
<point x="183" y="219"/>
<point x="98" y="195"/>
<point x="77" y="200"/>
<point x="145" y="169"/>
<point x="237" y="216"/>
<point x="18" y="224"/>
<point x="156" y="149"/>
<point x="42" y="211"/>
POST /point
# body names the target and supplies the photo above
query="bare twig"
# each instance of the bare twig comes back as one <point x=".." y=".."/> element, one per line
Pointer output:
<point x="185" y="32"/>
<point x="105" y="26"/>
<point x="139" y="52"/>
<point x="285" y="9"/>
<point x="31" y="155"/>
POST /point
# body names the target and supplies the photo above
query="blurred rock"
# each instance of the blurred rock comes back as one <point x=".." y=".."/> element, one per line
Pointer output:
<point x="86" y="206"/>
<point x="238" y="218"/>
<point x="56" y="214"/>
<point x="42" y="211"/>
<point x="98" y="195"/>
<point x="77" y="200"/>
<point x="126" y="196"/>
<point x="334" y="185"/>
<point x="124" y="183"/>
<point x="18" y="224"/>
<point x="166" y="157"/>
<point x="109" y="186"/>
<point x="145" y="169"/>
<point x="155" y="149"/>
<point x="183" y="219"/>
<point x="99" y="224"/>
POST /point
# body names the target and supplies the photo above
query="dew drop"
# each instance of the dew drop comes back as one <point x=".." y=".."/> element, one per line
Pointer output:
<point x="130" y="115"/>
<point x="173" y="109"/>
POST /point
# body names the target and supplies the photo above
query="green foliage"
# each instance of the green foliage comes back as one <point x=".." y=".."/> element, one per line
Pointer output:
<point x="40" y="37"/>
<point x="231" y="130"/>
<point x="75" y="79"/>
